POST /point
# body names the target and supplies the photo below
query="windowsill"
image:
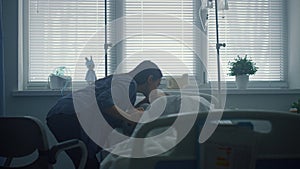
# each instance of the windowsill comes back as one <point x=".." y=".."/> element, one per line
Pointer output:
<point x="261" y="91"/>
<point x="232" y="91"/>
<point x="30" y="93"/>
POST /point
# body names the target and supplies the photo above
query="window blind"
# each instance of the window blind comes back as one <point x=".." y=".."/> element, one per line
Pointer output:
<point x="256" y="28"/>
<point x="161" y="31"/>
<point x="63" y="33"/>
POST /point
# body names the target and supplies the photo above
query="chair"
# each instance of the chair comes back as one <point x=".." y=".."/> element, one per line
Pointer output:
<point x="24" y="136"/>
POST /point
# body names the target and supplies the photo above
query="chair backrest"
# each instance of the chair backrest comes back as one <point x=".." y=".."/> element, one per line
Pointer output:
<point x="21" y="137"/>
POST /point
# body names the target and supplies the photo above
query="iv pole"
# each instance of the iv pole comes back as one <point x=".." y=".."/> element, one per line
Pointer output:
<point x="105" y="35"/>
<point x="218" y="45"/>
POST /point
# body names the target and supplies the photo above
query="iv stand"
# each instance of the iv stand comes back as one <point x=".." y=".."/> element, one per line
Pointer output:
<point x="218" y="45"/>
<point x="105" y="35"/>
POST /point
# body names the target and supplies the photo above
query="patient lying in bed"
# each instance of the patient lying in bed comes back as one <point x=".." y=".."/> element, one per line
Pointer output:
<point x="162" y="106"/>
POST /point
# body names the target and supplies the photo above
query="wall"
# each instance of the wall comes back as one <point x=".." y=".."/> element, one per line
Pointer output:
<point x="294" y="41"/>
<point x="1" y="66"/>
<point x="34" y="106"/>
<point x="39" y="105"/>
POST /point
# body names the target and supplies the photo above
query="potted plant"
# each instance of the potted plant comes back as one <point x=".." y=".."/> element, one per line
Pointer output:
<point x="241" y="68"/>
<point x="295" y="107"/>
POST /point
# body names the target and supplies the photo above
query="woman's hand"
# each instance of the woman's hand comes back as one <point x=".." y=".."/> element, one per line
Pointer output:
<point x="140" y="109"/>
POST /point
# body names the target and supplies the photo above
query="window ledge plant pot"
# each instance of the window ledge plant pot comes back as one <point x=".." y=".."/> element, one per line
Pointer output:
<point x="242" y="81"/>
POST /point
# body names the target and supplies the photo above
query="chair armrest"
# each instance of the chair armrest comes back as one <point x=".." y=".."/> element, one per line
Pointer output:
<point x="66" y="145"/>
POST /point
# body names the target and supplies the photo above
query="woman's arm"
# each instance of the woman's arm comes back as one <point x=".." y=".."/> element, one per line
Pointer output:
<point x="131" y="117"/>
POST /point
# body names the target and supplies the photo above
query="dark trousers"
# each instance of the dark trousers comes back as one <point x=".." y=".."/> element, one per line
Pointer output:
<point x="65" y="127"/>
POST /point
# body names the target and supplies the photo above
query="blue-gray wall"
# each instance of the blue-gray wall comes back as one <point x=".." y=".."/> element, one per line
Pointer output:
<point x="1" y="66"/>
<point x="26" y="105"/>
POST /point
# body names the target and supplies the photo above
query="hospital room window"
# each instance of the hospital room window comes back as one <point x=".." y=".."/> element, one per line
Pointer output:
<point x="61" y="33"/>
<point x="58" y="33"/>
<point x="257" y="28"/>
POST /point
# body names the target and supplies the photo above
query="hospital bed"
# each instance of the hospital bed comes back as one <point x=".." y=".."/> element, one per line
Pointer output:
<point x="243" y="139"/>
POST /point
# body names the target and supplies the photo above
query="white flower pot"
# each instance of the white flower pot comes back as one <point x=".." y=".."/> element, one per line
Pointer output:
<point x="242" y="81"/>
<point x="59" y="82"/>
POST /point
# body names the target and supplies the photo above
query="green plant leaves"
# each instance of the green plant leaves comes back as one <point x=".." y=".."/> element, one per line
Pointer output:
<point x="296" y="105"/>
<point x="242" y="66"/>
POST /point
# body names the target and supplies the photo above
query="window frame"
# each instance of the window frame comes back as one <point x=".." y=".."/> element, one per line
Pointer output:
<point x="23" y="83"/>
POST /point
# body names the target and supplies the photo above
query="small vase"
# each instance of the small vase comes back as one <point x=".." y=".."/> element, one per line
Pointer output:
<point x="242" y="81"/>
